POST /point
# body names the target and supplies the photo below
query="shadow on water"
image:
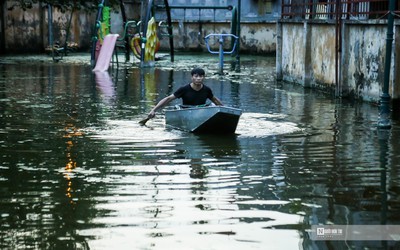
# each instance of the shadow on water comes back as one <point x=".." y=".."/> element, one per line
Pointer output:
<point x="77" y="171"/>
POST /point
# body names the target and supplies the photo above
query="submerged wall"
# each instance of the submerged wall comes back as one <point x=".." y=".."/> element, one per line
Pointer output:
<point x="307" y="54"/>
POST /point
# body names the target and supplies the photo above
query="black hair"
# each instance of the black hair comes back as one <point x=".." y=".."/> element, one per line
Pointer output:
<point x="198" y="71"/>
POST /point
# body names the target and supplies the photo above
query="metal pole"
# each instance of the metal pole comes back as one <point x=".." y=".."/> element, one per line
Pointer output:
<point x="221" y="54"/>
<point x="384" y="105"/>
<point x="170" y="34"/>
<point x="238" y="34"/>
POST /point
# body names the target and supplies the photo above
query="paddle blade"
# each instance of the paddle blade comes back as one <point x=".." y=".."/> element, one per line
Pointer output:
<point x="143" y="122"/>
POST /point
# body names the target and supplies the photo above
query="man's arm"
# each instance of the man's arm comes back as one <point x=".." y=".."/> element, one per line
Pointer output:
<point x="161" y="104"/>
<point x="216" y="101"/>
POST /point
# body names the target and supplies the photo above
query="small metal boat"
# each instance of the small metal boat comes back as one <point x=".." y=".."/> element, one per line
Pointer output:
<point x="204" y="119"/>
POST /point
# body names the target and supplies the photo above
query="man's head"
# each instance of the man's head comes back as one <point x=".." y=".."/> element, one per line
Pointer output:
<point x="198" y="71"/>
<point x="197" y="77"/>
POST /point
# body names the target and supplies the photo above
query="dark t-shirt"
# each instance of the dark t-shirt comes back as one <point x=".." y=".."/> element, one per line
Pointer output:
<point x="192" y="97"/>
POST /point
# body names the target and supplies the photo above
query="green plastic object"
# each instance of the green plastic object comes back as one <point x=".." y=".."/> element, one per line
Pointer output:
<point x="106" y="20"/>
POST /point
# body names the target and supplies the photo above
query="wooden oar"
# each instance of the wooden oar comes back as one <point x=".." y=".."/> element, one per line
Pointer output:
<point x="143" y="122"/>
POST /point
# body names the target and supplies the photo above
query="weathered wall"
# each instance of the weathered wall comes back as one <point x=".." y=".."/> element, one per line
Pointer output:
<point x="254" y="38"/>
<point x="307" y="55"/>
<point x="258" y="37"/>
<point x="23" y="29"/>
<point x="27" y="31"/>
<point x="322" y="56"/>
<point x="364" y="60"/>
<point x="293" y="52"/>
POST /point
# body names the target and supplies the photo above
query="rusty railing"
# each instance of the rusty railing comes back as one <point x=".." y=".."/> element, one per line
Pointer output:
<point x="327" y="9"/>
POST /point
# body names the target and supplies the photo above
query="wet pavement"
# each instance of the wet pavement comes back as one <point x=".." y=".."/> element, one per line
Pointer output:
<point x="77" y="171"/>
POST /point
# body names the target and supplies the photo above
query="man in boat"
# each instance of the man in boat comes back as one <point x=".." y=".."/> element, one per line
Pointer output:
<point x="192" y="94"/>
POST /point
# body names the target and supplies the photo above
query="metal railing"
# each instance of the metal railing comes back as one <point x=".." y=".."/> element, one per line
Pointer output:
<point x="328" y="9"/>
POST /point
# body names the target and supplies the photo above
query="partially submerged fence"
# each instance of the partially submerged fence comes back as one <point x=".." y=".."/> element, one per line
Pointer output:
<point x="333" y="9"/>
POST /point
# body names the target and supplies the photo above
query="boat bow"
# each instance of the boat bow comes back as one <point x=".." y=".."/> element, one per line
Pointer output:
<point x="211" y="119"/>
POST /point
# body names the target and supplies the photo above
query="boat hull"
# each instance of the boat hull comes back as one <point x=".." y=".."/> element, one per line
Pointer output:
<point x="211" y="119"/>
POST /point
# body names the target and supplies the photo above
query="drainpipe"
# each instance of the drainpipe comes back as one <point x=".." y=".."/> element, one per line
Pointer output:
<point x="384" y="105"/>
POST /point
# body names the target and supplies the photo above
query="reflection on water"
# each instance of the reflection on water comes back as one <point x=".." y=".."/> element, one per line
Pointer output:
<point x="77" y="171"/>
<point x="105" y="85"/>
<point x="263" y="125"/>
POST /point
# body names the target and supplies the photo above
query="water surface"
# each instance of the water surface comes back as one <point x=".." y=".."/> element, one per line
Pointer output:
<point x="77" y="171"/>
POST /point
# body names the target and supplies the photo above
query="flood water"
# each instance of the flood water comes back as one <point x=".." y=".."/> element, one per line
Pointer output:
<point x="77" y="171"/>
